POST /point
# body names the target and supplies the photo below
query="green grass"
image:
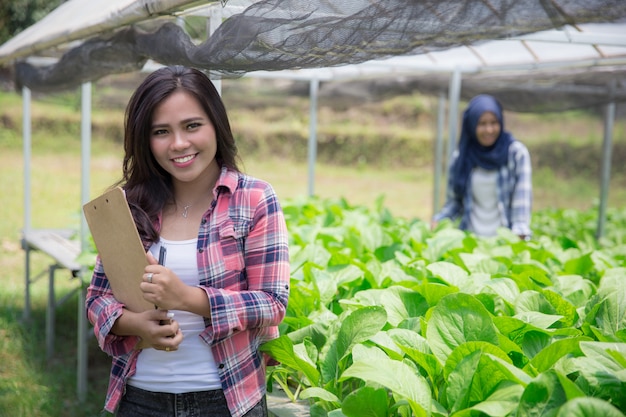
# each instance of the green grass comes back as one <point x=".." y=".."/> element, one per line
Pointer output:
<point x="32" y="387"/>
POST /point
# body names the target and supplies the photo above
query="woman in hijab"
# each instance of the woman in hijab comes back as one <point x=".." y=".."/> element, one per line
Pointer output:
<point x="490" y="177"/>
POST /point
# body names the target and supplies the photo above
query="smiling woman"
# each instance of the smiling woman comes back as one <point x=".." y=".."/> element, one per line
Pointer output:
<point x="225" y="286"/>
<point x="489" y="183"/>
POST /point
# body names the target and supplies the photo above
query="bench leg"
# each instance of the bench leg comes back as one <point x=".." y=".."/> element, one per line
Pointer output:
<point x="50" y="314"/>
<point x="26" y="313"/>
<point x="83" y="329"/>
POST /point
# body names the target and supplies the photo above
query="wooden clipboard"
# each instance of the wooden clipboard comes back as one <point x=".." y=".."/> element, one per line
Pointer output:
<point x="118" y="243"/>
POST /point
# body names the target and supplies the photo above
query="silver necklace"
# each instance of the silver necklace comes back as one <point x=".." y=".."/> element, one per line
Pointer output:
<point x="185" y="209"/>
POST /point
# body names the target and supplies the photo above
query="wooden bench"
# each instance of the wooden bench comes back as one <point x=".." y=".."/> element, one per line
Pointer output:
<point x="63" y="250"/>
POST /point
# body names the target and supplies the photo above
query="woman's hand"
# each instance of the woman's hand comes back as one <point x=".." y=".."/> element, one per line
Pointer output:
<point x="160" y="331"/>
<point x="165" y="290"/>
<point x="161" y="286"/>
<point x="155" y="328"/>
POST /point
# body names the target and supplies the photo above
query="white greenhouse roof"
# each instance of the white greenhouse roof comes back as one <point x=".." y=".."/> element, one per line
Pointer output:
<point x="589" y="44"/>
<point x="76" y="20"/>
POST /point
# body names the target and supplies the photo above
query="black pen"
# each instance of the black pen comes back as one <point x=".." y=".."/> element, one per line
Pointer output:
<point x="162" y="253"/>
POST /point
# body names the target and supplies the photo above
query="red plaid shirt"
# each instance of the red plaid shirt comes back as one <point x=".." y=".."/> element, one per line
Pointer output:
<point x="243" y="263"/>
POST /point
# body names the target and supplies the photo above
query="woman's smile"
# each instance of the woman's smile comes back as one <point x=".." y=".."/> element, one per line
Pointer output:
<point x="184" y="161"/>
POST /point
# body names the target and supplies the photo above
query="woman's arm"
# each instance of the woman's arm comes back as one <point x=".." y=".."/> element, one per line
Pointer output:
<point x="453" y="206"/>
<point x="521" y="199"/>
<point x="103" y="310"/>
<point x="267" y="272"/>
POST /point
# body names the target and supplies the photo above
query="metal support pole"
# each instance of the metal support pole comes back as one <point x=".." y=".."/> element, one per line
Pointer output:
<point x="50" y="313"/>
<point x="439" y="152"/>
<point x="81" y="365"/>
<point x="26" y="143"/>
<point x="605" y="175"/>
<point x="85" y="158"/>
<point x="313" y="93"/>
<point x="454" y="94"/>
<point x="82" y="338"/>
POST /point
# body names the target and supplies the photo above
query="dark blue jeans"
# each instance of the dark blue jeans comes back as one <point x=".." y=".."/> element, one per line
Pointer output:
<point x="139" y="403"/>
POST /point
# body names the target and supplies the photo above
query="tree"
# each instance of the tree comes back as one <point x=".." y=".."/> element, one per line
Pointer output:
<point x="17" y="15"/>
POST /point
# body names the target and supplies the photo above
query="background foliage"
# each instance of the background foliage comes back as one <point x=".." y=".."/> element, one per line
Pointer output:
<point x="17" y="15"/>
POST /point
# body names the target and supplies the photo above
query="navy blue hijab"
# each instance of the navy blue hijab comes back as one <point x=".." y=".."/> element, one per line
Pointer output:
<point x="471" y="153"/>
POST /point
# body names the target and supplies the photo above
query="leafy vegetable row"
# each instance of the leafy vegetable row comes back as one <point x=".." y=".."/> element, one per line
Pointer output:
<point x="387" y="318"/>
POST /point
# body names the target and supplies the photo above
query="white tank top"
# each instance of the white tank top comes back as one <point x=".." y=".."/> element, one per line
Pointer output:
<point x="191" y="367"/>
<point x="484" y="216"/>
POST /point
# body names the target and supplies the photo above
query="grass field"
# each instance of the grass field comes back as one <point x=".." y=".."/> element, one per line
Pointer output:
<point x="30" y="386"/>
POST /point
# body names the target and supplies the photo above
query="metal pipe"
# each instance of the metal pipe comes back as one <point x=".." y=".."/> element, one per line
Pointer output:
<point x="26" y="144"/>
<point x="605" y="173"/>
<point x="313" y="93"/>
<point x="85" y="140"/>
<point x="454" y="94"/>
<point x="439" y="152"/>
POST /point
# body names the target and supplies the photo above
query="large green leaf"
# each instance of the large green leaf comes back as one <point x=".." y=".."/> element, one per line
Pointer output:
<point x="534" y="342"/>
<point x="533" y="301"/>
<point x="282" y="350"/>
<point x="314" y="253"/>
<point x="547" y="357"/>
<point x="416" y="348"/>
<point x="588" y="407"/>
<point x="574" y="288"/>
<point x="601" y="371"/>
<point x="449" y="273"/>
<point x="545" y="394"/>
<point x="400" y="303"/>
<point x="506" y="288"/>
<point x="464" y="350"/>
<point x="608" y="313"/>
<point x="326" y="285"/>
<point x="530" y="274"/>
<point x="347" y="275"/>
<point x="433" y="291"/>
<point x="366" y="402"/>
<point x="302" y="300"/>
<point x="359" y="326"/>
<point x="581" y="265"/>
<point x="320" y="393"/>
<point x="456" y="319"/>
<point x="538" y="319"/>
<point x="480" y="262"/>
<point x="442" y="242"/>
<point x="397" y="376"/>
<point x="501" y="403"/>
<point x="477" y="375"/>
<point x="387" y="344"/>
<point x="516" y="329"/>
<point x="562" y="307"/>
<point x="356" y="327"/>
<point x="460" y="382"/>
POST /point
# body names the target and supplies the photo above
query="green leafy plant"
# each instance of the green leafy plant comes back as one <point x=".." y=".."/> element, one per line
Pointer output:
<point x="388" y="318"/>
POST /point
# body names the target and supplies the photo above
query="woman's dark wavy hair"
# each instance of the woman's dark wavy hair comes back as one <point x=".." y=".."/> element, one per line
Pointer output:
<point x="148" y="186"/>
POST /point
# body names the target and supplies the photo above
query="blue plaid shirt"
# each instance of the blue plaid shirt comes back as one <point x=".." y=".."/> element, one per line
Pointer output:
<point x="514" y="189"/>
